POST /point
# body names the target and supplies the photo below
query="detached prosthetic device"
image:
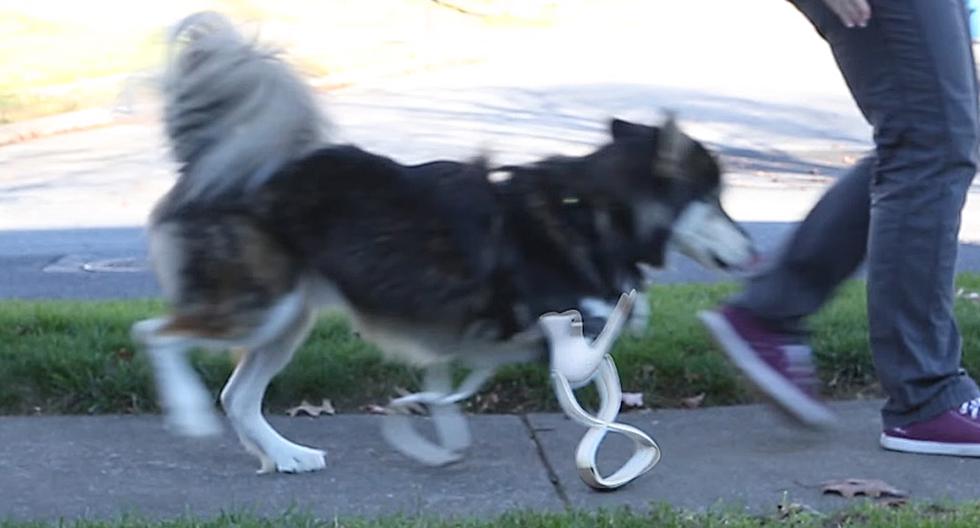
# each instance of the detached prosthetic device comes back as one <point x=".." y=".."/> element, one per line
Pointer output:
<point x="575" y="362"/>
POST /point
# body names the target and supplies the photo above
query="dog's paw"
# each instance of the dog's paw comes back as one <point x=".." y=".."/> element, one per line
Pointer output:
<point x="294" y="458"/>
<point x="193" y="419"/>
<point x="195" y="423"/>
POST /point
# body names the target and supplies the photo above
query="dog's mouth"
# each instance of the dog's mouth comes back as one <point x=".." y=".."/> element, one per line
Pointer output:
<point x="705" y="233"/>
<point x="749" y="265"/>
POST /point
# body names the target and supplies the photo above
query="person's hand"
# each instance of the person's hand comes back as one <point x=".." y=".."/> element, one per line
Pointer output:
<point x="851" y="12"/>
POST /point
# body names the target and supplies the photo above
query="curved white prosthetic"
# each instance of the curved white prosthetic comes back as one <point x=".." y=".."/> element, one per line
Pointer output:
<point x="574" y="363"/>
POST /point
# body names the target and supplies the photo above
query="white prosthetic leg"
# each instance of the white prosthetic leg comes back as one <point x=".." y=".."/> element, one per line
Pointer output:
<point x="575" y="363"/>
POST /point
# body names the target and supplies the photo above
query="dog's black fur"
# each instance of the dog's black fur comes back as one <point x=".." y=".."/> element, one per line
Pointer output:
<point x="442" y="243"/>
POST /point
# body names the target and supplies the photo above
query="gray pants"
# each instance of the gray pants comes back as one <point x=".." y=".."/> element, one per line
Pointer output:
<point x="911" y="72"/>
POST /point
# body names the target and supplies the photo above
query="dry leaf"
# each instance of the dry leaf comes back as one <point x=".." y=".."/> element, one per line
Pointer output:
<point x="633" y="399"/>
<point x="693" y="402"/>
<point x="325" y="407"/>
<point x="850" y="488"/>
<point x="787" y="508"/>
<point x="482" y="402"/>
<point x="372" y="408"/>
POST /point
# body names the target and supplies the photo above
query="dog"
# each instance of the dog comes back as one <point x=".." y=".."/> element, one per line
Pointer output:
<point x="270" y="222"/>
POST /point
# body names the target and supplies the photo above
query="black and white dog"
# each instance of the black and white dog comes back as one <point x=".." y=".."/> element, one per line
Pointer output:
<point x="269" y="222"/>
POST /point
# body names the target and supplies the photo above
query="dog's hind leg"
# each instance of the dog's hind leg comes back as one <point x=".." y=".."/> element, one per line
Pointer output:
<point x="188" y="406"/>
<point x="452" y="430"/>
<point x="242" y="400"/>
<point x="451" y="427"/>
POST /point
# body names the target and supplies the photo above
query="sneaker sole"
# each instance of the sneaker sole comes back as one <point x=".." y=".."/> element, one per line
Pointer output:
<point x="924" y="447"/>
<point x="786" y="395"/>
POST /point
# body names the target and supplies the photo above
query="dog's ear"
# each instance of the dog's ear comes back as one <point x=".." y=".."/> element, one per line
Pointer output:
<point x="622" y="129"/>
<point x="672" y="147"/>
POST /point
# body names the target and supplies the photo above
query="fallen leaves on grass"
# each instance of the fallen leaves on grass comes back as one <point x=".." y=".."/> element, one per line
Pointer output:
<point x="373" y="408"/>
<point x="693" y="402"/>
<point x="632" y="399"/>
<point x="483" y="403"/>
<point x="124" y="354"/>
<point x="787" y="508"/>
<point x="851" y="487"/>
<point x="307" y="408"/>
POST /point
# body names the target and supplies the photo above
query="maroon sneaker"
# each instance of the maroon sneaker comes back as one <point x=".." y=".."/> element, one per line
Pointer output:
<point x="955" y="432"/>
<point x="781" y="365"/>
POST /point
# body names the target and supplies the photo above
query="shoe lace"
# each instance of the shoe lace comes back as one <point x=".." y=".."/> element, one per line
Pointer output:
<point x="971" y="408"/>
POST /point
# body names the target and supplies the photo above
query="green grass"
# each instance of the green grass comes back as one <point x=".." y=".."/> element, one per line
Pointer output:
<point x="866" y="516"/>
<point x="76" y="357"/>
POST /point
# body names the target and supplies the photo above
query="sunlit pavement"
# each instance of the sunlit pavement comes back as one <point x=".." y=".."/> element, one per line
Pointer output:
<point x="763" y="93"/>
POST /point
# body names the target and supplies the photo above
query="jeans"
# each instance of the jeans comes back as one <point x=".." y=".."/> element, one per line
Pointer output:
<point x="911" y="73"/>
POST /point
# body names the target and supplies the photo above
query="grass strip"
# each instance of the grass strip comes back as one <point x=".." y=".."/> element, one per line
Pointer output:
<point x="76" y="357"/>
<point x="863" y="516"/>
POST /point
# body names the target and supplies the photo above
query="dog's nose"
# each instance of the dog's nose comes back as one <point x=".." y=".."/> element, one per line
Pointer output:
<point x="755" y="260"/>
<point x="752" y="260"/>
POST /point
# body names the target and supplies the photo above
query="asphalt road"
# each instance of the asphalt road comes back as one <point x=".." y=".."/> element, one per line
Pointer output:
<point x="110" y="263"/>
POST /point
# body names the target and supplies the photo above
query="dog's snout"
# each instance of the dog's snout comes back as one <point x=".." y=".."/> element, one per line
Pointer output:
<point x="708" y="235"/>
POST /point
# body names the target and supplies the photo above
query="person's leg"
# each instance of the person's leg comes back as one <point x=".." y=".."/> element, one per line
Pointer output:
<point x="823" y="251"/>
<point x="761" y="329"/>
<point x="911" y="73"/>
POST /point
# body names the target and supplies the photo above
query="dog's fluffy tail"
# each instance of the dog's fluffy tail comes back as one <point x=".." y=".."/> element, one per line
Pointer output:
<point x="234" y="112"/>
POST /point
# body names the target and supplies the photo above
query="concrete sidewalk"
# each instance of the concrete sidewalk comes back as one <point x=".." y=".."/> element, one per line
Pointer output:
<point x="101" y="467"/>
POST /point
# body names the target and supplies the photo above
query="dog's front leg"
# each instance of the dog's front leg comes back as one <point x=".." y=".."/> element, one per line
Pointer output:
<point x="187" y="404"/>
<point x="242" y="401"/>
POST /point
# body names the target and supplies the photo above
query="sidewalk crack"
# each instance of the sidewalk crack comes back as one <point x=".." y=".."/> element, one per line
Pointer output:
<point x="552" y="475"/>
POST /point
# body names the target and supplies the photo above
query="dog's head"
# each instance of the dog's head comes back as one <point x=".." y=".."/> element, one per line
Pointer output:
<point x="664" y="189"/>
